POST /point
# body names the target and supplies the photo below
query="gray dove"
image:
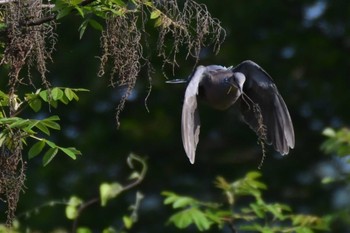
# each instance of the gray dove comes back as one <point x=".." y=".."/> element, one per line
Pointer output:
<point x="260" y="103"/>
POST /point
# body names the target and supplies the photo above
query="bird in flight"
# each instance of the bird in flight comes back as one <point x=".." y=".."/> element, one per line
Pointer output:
<point x="260" y="103"/>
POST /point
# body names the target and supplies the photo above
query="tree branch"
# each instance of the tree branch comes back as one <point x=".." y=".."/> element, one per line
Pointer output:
<point x="40" y="21"/>
<point x="47" y="18"/>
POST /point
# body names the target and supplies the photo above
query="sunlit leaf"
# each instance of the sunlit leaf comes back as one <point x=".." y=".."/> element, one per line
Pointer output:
<point x="155" y="14"/>
<point x="72" y="207"/>
<point x="82" y="28"/>
<point x="71" y="212"/>
<point x="49" y="155"/>
<point x="159" y="22"/>
<point x="44" y="95"/>
<point x="50" y="144"/>
<point x="134" y="175"/>
<point x="127" y="222"/>
<point x="69" y="93"/>
<point x="2" y="138"/>
<point x="35" y="104"/>
<point x="182" y="202"/>
<point x="84" y="230"/>
<point x="329" y="132"/>
<point x="56" y="93"/>
<point x="19" y="123"/>
<point x="181" y="219"/>
<point x="119" y="3"/>
<point x="68" y="152"/>
<point x="36" y="149"/>
<point x="42" y="127"/>
<point x="80" y="10"/>
<point x="253" y="175"/>
<point x="109" y="191"/>
<point x="109" y="230"/>
<point x="50" y="122"/>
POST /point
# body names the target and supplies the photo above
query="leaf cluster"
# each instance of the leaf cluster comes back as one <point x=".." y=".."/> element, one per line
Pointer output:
<point x="338" y="142"/>
<point x="109" y="191"/>
<point x="255" y="216"/>
<point x="36" y="128"/>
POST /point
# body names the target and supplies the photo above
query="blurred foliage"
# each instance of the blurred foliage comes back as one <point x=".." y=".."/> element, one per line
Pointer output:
<point x="254" y="216"/>
<point x="75" y="206"/>
<point x="337" y="145"/>
<point x="338" y="142"/>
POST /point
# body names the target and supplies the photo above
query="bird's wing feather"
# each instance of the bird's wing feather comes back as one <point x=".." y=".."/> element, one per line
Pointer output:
<point x="190" y="125"/>
<point x="261" y="89"/>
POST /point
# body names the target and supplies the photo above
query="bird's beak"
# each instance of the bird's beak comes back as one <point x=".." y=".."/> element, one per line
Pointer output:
<point x="230" y="81"/>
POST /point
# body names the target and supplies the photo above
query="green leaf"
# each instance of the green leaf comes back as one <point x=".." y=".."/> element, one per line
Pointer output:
<point x="159" y="22"/>
<point x="65" y="11"/>
<point x="82" y="28"/>
<point x="71" y="212"/>
<point x="36" y="149"/>
<point x="2" y="138"/>
<point x="182" y="202"/>
<point x="170" y="197"/>
<point x="328" y="180"/>
<point x="64" y="100"/>
<point x="35" y="104"/>
<point x="53" y="118"/>
<point x="257" y="210"/>
<point x="109" y="191"/>
<point x="127" y="222"/>
<point x="19" y="123"/>
<point x="200" y="220"/>
<point x="74" y="150"/>
<point x="80" y="10"/>
<point x="134" y="175"/>
<point x="181" y="219"/>
<point x="42" y="127"/>
<point x="69" y="93"/>
<point x="44" y="95"/>
<point x="304" y="230"/>
<point x="253" y="175"/>
<point x="276" y="210"/>
<point x="72" y="207"/>
<point x="51" y="144"/>
<point x="49" y="155"/>
<point x="68" y="152"/>
<point x="186" y="217"/>
<point x="56" y="93"/>
<point x="329" y="132"/>
<point x="50" y="122"/>
<point x="109" y="230"/>
<point x="96" y="25"/>
<point x="53" y="103"/>
<point x="84" y="230"/>
<point x="120" y="3"/>
<point x="75" y="201"/>
<point x="155" y="14"/>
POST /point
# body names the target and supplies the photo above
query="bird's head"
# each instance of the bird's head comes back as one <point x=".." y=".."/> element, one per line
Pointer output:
<point x="237" y="80"/>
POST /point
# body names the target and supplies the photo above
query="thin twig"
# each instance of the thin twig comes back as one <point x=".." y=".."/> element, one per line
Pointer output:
<point x="125" y="188"/>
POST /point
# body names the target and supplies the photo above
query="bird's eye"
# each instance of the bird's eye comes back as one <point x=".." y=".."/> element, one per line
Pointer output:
<point x="226" y="80"/>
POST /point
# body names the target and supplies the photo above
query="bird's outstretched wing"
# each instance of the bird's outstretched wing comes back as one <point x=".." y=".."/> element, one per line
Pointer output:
<point x="190" y="125"/>
<point x="265" y="110"/>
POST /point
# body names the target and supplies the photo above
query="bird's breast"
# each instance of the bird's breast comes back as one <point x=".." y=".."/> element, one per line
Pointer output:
<point x="217" y="96"/>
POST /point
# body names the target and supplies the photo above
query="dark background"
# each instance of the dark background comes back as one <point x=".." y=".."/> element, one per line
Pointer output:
<point x="303" y="45"/>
